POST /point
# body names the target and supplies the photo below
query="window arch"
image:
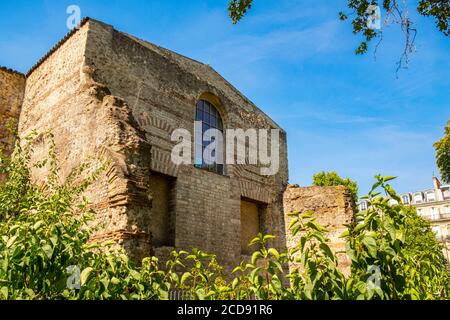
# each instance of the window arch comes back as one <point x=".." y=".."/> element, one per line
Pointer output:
<point x="210" y="118"/>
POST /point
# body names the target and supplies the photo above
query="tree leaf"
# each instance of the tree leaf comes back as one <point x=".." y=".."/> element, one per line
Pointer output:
<point x="85" y="275"/>
<point x="185" y="277"/>
<point x="11" y="241"/>
<point x="48" y="250"/>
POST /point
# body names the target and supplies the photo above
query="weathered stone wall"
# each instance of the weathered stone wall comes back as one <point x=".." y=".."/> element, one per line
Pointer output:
<point x="12" y="87"/>
<point x="108" y="95"/>
<point x="162" y="89"/>
<point x="162" y="210"/>
<point x="333" y="207"/>
<point x="87" y="121"/>
<point x="250" y="224"/>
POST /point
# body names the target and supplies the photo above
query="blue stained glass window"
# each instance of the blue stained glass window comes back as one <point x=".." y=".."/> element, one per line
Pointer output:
<point x="210" y="118"/>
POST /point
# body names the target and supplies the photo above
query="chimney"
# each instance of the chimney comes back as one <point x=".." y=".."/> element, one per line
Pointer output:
<point x="437" y="189"/>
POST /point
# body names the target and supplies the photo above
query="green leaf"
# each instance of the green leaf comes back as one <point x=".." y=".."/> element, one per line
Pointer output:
<point x="136" y="275"/>
<point x="276" y="283"/>
<point x="4" y="292"/>
<point x="37" y="225"/>
<point x="254" y="274"/>
<point x="105" y="282"/>
<point x="268" y="237"/>
<point x="238" y="268"/>
<point x="255" y="241"/>
<point x="277" y="265"/>
<point x="112" y="263"/>
<point x="293" y="222"/>
<point x="390" y="251"/>
<point x="11" y="241"/>
<point x="361" y="287"/>
<point x="342" y="16"/>
<point x="326" y="249"/>
<point x="30" y="293"/>
<point x="54" y="240"/>
<point x="48" y="250"/>
<point x="345" y="234"/>
<point x="371" y="245"/>
<point x="256" y="256"/>
<point x="185" y="278"/>
<point x="235" y="283"/>
<point x="274" y="253"/>
<point x="389" y="178"/>
<point x="85" y="275"/>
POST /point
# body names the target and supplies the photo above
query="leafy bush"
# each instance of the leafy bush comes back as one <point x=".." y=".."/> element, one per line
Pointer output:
<point x="44" y="243"/>
<point x="44" y="234"/>
<point x="385" y="238"/>
<point x="329" y="179"/>
<point x="443" y="154"/>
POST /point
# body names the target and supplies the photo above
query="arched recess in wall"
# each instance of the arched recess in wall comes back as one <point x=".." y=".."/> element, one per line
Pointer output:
<point x="217" y="103"/>
<point x="210" y="113"/>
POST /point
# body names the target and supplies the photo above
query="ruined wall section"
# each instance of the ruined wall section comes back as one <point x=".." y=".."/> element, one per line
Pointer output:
<point x="332" y="206"/>
<point x="162" y="89"/>
<point x="88" y="122"/>
<point x="12" y="88"/>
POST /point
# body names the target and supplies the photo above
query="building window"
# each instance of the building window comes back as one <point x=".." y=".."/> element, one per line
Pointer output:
<point x="431" y="197"/>
<point x="210" y="118"/>
<point x="251" y="216"/>
<point x="418" y="198"/>
<point x="446" y="194"/>
<point x="363" y="206"/>
<point x="393" y="202"/>
<point x="405" y="199"/>
<point x="434" y="214"/>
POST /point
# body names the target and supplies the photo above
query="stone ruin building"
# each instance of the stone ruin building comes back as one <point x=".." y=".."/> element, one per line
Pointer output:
<point x="108" y="94"/>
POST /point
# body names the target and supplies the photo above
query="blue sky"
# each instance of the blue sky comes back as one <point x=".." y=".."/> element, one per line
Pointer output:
<point x="295" y="60"/>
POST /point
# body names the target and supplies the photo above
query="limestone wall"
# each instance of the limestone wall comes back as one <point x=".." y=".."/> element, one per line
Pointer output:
<point x="12" y="87"/>
<point x="162" y="89"/>
<point x="88" y="122"/>
<point x="332" y="206"/>
<point x="111" y="96"/>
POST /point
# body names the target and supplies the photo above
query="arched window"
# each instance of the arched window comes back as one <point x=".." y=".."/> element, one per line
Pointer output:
<point x="210" y="118"/>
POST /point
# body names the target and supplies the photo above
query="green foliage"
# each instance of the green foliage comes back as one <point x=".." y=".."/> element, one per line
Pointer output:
<point x="317" y="276"/>
<point x="329" y="179"/>
<point x="262" y="277"/>
<point x="45" y="232"/>
<point x="385" y="237"/>
<point x="238" y="9"/>
<point x="443" y="154"/>
<point x="440" y="10"/>
<point x="393" y="11"/>
<point x="204" y="279"/>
